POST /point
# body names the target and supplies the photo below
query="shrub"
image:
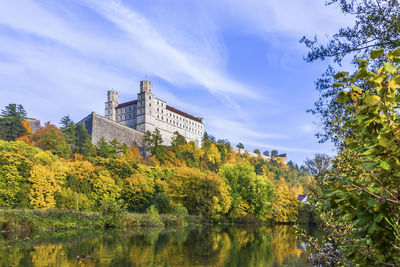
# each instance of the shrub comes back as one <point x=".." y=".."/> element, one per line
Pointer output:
<point x="112" y="212"/>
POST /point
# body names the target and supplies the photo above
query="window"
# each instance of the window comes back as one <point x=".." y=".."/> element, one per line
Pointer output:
<point x="149" y="96"/>
<point x="158" y="109"/>
<point x="158" y="103"/>
<point x="149" y="104"/>
<point x="158" y="116"/>
<point x="129" y="108"/>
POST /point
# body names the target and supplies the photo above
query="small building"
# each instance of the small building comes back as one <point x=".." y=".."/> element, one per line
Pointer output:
<point x="303" y="198"/>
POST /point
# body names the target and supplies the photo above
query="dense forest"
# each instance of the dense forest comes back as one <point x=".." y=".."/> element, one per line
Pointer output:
<point x="60" y="168"/>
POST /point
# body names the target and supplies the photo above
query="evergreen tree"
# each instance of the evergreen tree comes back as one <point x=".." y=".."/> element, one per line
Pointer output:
<point x="11" y="123"/>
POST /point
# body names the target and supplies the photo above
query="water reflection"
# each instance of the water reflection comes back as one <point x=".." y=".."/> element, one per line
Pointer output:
<point x="209" y="246"/>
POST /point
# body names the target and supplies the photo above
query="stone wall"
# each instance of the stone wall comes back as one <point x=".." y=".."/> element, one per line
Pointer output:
<point x="99" y="126"/>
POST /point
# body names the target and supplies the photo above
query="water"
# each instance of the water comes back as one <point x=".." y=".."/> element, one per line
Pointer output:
<point x="207" y="246"/>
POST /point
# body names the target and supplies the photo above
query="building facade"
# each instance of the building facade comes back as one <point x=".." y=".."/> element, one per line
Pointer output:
<point x="148" y="112"/>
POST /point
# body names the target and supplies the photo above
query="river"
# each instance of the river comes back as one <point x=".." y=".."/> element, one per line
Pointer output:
<point x="207" y="246"/>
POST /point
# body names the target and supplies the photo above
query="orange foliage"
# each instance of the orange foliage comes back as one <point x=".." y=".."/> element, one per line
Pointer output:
<point x="27" y="138"/>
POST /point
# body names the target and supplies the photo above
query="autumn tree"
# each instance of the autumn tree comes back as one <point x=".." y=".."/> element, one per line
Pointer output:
<point x="11" y="122"/>
<point x="376" y="26"/>
<point x="202" y="193"/>
<point x="137" y="192"/>
<point x="28" y="136"/>
<point x="363" y="188"/>
<point x="51" y="138"/>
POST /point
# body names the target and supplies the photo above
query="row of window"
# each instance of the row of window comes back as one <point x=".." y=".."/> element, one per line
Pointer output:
<point x="178" y="124"/>
<point x="172" y="115"/>
<point x="126" y="117"/>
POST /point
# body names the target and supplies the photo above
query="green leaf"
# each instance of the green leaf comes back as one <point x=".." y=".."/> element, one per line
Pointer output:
<point x="337" y="85"/>
<point x="342" y="97"/>
<point x="356" y="88"/>
<point x="379" y="217"/>
<point x="384" y="165"/>
<point x="371" y="100"/>
<point x="372" y="228"/>
<point x="389" y="68"/>
<point x="369" y="166"/>
<point x="341" y="75"/>
<point x="372" y="203"/>
<point x="376" y="53"/>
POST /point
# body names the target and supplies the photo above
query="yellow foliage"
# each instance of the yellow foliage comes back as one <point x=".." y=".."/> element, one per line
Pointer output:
<point x="104" y="186"/>
<point x="44" y="186"/>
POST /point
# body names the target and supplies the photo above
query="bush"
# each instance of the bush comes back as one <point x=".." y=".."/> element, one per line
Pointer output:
<point x="153" y="218"/>
<point x="113" y="213"/>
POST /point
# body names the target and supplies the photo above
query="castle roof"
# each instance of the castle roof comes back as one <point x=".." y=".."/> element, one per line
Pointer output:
<point x="127" y="104"/>
<point x="184" y="114"/>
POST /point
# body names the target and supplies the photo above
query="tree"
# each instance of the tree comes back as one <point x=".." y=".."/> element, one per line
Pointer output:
<point x="83" y="141"/>
<point x="51" y="138"/>
<point x="319" y="166"/>
<point x="11" y="123"/>
<point x="43" y="188"/>
<point x="153" y="140"/>
<point x="202" y="193"/>
<point x="376" y="26"/>
<point x="77" y="137"/>
<point x="104" y="149"/>
<point x="257" y="151"/>
<point x="137" y="192"/>
<point x="240" y="146"/>
<point x="27" y="137"/>
<point x="363" y="190"/>
<point x="178" y="139"/>
<point x="251" y="194"/>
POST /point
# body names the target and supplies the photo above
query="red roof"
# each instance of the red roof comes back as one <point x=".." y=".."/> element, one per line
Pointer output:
<point x="184" y="114"/>
<point x="127" y="104"/>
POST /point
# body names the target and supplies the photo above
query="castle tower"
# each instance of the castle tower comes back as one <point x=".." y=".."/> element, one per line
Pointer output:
<point x="145" y="108"/>
<point x="110" y="105"/>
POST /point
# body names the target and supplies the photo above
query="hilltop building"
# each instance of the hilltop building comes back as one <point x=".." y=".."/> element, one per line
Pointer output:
<point x="148" y="112"/>
<point x="127" y="122"/>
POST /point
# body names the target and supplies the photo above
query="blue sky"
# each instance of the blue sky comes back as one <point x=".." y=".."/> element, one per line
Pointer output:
<point x="236" y="63"/>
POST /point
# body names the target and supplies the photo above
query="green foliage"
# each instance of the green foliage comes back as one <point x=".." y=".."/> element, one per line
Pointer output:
<point x="137" y="192"/>
<point x="364" y="182"/>
<point x="153" y="140"/>
<point x="11" y="123"/>
<point x="10" y="185"/>
<point x="240" y="146"/>
<point x="112" y="213"/>
<point x="153" y="217"/>
<point x="200" y="192"/>
<point x="251" y="194"/>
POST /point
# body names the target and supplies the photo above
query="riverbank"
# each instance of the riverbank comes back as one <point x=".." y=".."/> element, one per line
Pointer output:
<point x="20" y="220"/>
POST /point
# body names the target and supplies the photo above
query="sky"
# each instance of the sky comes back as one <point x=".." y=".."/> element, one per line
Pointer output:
<point x="237" y="64"/>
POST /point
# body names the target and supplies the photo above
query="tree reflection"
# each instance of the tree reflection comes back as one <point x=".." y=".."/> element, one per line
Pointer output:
<point x="210" y="246"/>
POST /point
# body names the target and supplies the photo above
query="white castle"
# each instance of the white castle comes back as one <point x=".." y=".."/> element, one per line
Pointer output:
<point x="148" y="113"/>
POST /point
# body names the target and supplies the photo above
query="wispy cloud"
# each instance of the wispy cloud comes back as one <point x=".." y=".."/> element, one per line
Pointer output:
<point x="59" y="57"/>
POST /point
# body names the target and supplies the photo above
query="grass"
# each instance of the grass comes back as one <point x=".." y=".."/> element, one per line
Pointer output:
<point x="20" y="220"/>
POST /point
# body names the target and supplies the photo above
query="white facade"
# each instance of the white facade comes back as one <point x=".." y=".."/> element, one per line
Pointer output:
<point x="148" y="113"/>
